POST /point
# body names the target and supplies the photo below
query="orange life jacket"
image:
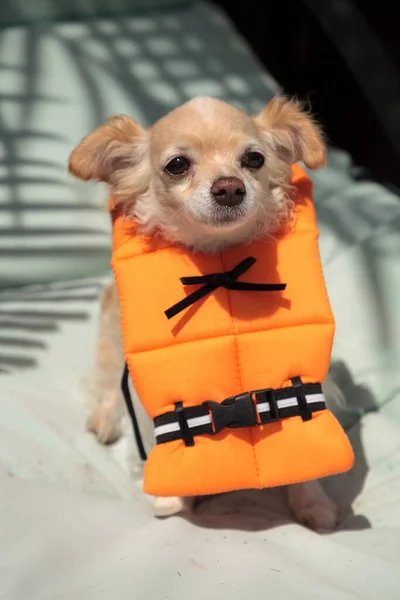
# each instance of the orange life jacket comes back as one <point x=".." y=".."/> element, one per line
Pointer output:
<point x="232" y="381"/>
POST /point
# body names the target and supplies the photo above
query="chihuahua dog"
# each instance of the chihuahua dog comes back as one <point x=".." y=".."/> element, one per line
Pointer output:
<point x="206" y="176"/>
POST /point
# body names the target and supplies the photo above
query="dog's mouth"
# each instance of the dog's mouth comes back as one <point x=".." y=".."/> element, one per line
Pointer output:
<point x="225" y="216"/>
<point x="212" y="215"/>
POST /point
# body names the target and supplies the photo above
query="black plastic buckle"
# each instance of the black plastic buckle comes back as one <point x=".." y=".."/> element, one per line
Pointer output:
<point x="268" y="395"/>
<point x="236" y="411"/>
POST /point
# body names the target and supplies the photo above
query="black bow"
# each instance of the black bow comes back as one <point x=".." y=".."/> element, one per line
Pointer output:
<point x="227" y="280"/>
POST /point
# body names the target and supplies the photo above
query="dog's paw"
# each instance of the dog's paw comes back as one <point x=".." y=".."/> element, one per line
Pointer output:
<point x="168" y="506"/>
<point x="318" y="516"/>
<point x="312" y="507"/>
<point x="104" y="423"/>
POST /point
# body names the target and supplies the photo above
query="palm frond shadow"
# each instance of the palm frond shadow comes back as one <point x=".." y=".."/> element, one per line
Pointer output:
<point x="360" y="223"/>
<point x="21" y="172"/>
<point x="30" y="316"/>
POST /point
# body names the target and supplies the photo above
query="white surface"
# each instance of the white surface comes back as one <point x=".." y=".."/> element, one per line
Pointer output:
<point x="70" y="546"/>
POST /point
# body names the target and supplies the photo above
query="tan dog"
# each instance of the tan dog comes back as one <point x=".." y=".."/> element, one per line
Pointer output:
<point x="207" y="176"/>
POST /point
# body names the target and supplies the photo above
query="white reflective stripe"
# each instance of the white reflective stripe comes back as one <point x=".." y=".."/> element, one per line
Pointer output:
<point x="168" y="428"/>
<point x="315" y="398"/>
<point x="171" y="427"/>
<point x="287" y="402"/>
<point x="261" y="407"/>
<point x="197" y="421"/>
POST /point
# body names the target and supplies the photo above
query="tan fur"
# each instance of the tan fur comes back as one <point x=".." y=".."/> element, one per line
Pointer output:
<point x="108" y="149"/>
<point x="105" y="418"/>
<point x="213" y="135"/>
<point x="295" y="135"/>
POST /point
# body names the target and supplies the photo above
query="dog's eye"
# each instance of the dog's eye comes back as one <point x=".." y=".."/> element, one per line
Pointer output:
<point x="252" y="160"/>
<point x="177" y="166"/>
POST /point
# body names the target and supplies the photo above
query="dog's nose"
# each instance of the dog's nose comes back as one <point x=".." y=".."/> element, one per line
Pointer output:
<point x="228" y="191"/>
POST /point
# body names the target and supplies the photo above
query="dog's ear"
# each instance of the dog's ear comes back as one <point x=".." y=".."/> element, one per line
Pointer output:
<point x="109" y="148"/>
<point x="293" y="133"/>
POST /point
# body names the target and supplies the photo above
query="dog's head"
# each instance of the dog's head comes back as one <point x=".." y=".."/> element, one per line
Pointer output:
<point x="207" y="174"/>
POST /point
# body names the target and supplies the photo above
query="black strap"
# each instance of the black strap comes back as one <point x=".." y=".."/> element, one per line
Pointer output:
<point x="129" y="405"/>
<point x="244" y="410"/>
<point x="227" y="280"/>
